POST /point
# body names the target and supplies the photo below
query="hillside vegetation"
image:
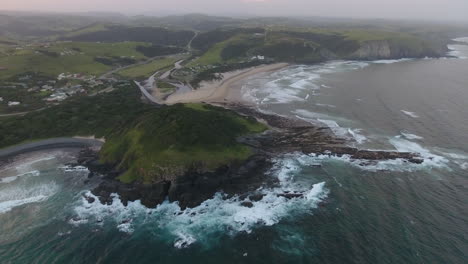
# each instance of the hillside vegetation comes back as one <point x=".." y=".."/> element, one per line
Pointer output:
<point x="307" y="45"/>
<point x="169" y="142"/>
<point x="118" y="33"/>
<point x="83" y="116"/>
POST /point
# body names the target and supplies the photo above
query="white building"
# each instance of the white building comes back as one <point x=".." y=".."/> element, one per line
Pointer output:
<point x="13" y="103"/>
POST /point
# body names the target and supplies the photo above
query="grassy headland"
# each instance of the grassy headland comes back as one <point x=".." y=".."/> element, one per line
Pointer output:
<point x="174" y="139"/>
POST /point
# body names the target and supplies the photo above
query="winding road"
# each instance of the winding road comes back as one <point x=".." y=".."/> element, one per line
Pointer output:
<point x="52" y="143"/>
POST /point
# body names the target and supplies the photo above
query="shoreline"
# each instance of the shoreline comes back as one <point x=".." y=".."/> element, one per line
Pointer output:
<point x="224" y="90"/>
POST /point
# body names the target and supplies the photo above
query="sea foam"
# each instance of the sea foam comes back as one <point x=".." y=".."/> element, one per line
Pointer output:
<point x="18" y="196"/>
<point x="217" y="216"/>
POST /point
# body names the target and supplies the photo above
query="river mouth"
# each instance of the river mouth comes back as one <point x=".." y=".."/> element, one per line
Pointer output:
<point x="350" y="213"/>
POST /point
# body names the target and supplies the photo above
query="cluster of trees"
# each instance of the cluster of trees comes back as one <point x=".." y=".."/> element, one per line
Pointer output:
<point x="158" y="50"/>
<point x="98" y="115"/>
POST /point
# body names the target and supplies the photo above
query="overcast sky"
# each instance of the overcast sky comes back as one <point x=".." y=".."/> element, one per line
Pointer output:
<point x="413" y="9"/>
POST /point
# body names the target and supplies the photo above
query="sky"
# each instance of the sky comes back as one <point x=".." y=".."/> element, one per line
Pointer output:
<point x="396" y="9"/>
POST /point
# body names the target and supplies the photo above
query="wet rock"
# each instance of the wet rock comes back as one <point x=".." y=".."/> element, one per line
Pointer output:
<point x="291" y="195"/>
<point x="256" y="197"/>
<point x="247" y="204"/>
<point x="89" y="198"/>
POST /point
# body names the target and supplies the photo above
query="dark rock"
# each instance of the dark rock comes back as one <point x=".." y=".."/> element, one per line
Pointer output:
<point x="89" y="199"/>
<point x="247" y="204"/>
<point x="256" y="197"/>
<point x="291" y="195"/>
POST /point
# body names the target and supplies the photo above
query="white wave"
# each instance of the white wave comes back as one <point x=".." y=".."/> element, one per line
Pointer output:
<point x="410" y="136"/>
<point x="463" y="39"/>
<point x="342" y="132"/>
<point x="410" y="114"/>
<point x="464" y="166"/>
<point x="398" y="165"/>
<point x="458" y="51"/>
<point x="10" y="179"/>
<point x="17" y="196"/>
<point x="457" y="158"/>
<point x="292" y="83"/>
<point x="430" y="159"/>
<point x="326" y="105"/>
<point x="390" y="61"/>
<point x="358" y="137"/>
<point x="184" y="240"/>
<point x="219" y="215"/>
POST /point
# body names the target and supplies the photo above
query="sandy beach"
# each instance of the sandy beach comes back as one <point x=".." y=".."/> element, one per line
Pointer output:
<point x="227" y="89"/>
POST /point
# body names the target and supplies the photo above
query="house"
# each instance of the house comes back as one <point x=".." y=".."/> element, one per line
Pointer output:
<point x="13" y="103"/>
<point x="3" y="68"/>
<point x="47" y="87"/>
<point x="258" y="57"/>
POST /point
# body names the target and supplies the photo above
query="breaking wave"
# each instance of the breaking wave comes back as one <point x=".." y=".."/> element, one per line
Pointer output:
<point x="410" y="114"/>
<point x="214" y="217"/>
<point x="17" y="196"/>
<point x="298" y="83"/>
<point x="354" y="134"/>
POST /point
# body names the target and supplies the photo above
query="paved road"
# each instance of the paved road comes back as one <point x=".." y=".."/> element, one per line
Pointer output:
<point x="147" y="95"/>
<point x="22" y="113"/>
<point x="53" y="143"/>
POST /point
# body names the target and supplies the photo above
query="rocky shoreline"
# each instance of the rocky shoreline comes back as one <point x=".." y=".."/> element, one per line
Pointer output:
<point x="244" y="178"/>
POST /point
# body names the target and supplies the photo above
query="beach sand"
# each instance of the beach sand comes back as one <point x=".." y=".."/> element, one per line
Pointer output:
<point x="228" y="89"/>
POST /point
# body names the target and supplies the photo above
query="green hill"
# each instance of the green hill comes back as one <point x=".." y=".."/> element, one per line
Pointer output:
<point x="168" y="142"/>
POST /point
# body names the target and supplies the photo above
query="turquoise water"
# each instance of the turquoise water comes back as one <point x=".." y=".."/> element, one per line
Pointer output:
<point x="351" y="212"/>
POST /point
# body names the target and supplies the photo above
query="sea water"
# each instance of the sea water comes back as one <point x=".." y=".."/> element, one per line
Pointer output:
<point x="350" y="211"/>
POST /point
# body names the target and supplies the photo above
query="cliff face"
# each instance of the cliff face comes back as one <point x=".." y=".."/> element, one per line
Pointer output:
<point x="390" y="49"/>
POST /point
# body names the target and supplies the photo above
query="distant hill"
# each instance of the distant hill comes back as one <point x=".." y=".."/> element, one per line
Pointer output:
<point x="119" y="33"/>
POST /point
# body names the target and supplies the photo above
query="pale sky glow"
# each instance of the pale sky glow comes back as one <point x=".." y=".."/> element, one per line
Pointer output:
<point x="413" y="9"/>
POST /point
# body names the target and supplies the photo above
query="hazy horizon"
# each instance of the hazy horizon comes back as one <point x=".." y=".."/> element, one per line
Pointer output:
<point x="448" y="10"/>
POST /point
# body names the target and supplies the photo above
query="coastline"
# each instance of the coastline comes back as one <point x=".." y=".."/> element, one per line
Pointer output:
<point x="224" y="90"/>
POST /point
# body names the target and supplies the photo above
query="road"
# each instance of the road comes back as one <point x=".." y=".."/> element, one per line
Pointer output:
<point x="53" y="143"/>
<point x="22" y="113"/>
<point x="147" y="95"/>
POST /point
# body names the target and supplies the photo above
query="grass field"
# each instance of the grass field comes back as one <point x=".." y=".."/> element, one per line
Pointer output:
<point x="72" y="57"/>
<point x="148" y="69"/>
<point x="165" y="87"/>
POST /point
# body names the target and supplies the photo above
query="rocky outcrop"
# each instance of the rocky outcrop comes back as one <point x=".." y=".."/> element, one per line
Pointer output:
<point x="192" y="188"/>
<point x="241" y="178"/>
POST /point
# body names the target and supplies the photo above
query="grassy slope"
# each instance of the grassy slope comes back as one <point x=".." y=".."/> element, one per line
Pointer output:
<point x="303" y="44"/>
<point x="175" y="138"/>
<point x="148" y="69"/>
<point x="88" y="29"/>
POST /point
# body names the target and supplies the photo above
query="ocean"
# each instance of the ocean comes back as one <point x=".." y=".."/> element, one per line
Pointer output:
<point x="353" y="211"/>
